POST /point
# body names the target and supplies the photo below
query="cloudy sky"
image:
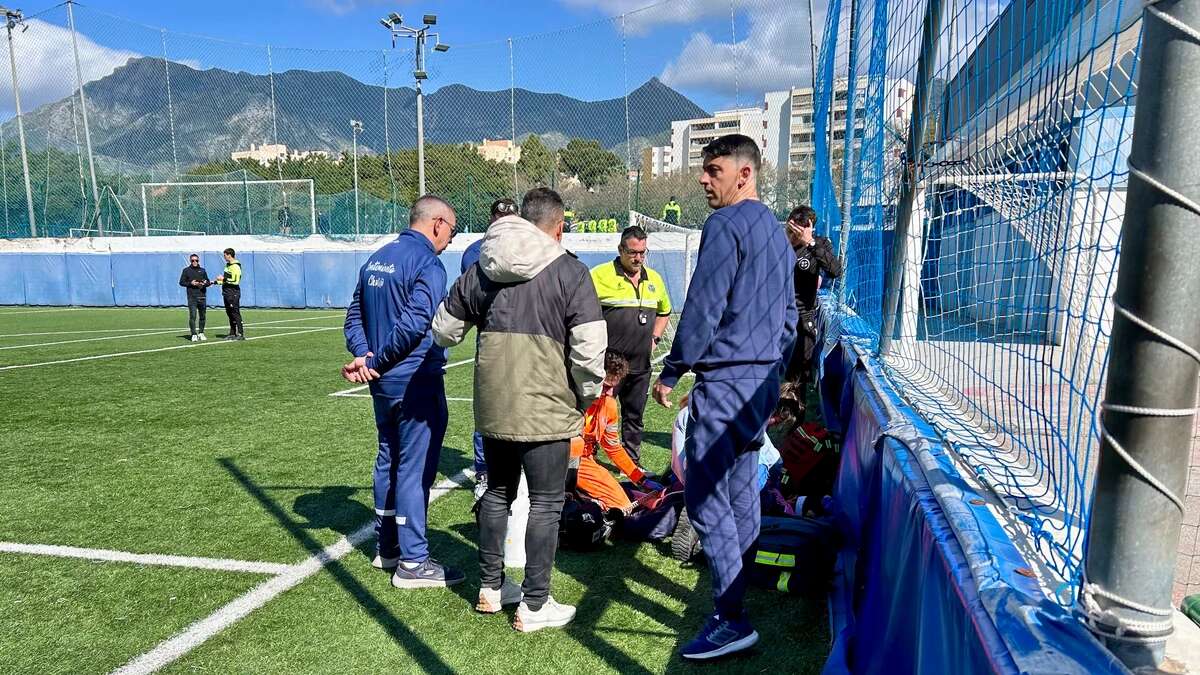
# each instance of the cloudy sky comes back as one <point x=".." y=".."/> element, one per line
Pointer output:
<point x="718" y="52"/>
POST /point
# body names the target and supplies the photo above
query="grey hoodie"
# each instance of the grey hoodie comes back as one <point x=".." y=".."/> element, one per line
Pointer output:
<point x="542" y="335"/>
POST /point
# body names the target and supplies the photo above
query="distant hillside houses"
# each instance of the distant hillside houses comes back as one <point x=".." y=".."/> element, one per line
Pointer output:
<point x="502" y="150"/>
<point x="269" y="152"/>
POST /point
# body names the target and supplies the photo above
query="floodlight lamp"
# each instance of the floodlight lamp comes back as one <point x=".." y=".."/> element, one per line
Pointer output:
<point x="395" y="18"/>
<point x="441" y="47"/>
<point x="385" y="23"/>
<point x="420" y="75"/>
<point x="430" y="19"/>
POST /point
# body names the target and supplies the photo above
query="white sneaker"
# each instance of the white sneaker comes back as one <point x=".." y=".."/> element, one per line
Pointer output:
<point x="551" y="615"/>
<point x="202" y="337"/>
<point x="491" y="600"/>
<point x="195" y="338"/>
<point x="381" y="563"/>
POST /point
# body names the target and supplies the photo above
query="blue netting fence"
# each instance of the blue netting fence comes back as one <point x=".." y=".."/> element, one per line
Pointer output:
<point x="1004" y="316"/>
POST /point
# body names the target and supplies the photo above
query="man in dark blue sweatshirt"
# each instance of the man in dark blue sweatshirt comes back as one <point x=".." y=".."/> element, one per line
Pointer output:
<point x="736" y="334"/>
<point x="500" y="208"/>
<point x="387" y="330"/>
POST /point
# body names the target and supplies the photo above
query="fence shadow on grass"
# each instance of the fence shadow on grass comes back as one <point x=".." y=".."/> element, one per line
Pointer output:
<point x="421" y="653"/>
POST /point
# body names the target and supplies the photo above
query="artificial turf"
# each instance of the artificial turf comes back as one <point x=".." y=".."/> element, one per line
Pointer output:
<point x="237" y="450"/>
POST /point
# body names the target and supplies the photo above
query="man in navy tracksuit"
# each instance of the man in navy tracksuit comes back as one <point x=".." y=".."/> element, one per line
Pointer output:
<point x="736" y="333"/>
<point x="500" y="208"/>
<point x="388" y="331"/>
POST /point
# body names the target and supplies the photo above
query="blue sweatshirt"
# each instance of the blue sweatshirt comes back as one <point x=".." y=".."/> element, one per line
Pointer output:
<point x="471" y="255"/>
<point x="398" y="292"/>
<point x="739" y="319"/>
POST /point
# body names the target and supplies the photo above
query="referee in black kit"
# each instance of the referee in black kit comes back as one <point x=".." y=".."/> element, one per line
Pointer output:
<point x="231" y="293"/>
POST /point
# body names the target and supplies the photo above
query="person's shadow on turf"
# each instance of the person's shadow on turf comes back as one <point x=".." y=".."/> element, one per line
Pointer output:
<point x="332" y="508"/>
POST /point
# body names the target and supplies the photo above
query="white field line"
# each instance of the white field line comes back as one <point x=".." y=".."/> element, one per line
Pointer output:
<point x="165" y="330"/>
<point x="190" y="345"/>
<point x="47" y="311"/>
<point x="198" y="633"/>
<point x="352" y="392"/>
<point x="146" y="558"/>
<point x="34" y="345"/>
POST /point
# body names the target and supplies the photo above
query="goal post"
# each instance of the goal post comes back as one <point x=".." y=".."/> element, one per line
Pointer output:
<point x="261" y="206"/>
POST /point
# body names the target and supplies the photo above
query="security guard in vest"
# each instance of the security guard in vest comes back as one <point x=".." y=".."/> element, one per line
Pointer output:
<point x="569" y="218"/>
<point x="637" y="309"/>
<point x="672" y="212"/>
<point x="231" y="293"/>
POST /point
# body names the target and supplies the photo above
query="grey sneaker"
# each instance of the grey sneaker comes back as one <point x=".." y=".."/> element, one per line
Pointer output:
<point x="491" y="600"/>
<point x="429" y="574"/>
<point x="551" y="615"/>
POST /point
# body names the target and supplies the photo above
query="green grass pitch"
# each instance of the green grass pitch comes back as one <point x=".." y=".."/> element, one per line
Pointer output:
<point x="119" y="434"/>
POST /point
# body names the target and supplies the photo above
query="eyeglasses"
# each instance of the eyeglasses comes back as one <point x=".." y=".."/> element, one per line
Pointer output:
<point x="634" y="254"/>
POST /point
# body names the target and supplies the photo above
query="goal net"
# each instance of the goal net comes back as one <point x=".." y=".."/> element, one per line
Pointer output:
<point x="225" y="205"/>
<point x="651" y="224"/>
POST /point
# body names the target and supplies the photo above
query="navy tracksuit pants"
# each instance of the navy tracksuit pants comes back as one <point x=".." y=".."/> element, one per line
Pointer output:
<point x="411" y="430"/>
<point x="728" y="416"/>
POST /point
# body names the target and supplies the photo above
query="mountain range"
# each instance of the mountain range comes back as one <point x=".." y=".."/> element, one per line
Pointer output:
<point x="218" y="111"/>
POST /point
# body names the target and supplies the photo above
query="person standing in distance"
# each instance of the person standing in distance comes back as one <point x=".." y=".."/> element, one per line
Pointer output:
<point x="231" y="292"/>
<point x="500" y="208"/>
<point x="540" y="365"/>
<point x="814" y="258"/>
<point x="736" y="333"/>
<point x="387" y="331"/>
<point x="195" y="279"/>
<point x="672" y="212"/>
<point x="636" y="311"/>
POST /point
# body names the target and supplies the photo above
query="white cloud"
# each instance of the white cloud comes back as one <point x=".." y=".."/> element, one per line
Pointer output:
<point x="46" y="64"/>
<point x="774" y="55"/>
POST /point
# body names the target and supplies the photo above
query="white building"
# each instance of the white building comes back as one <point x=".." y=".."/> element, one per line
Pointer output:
<point x="502" y="150"/>
<point x="268" y="152"/>
<point x="783" y="126"/>
<point x="656" y="161"/>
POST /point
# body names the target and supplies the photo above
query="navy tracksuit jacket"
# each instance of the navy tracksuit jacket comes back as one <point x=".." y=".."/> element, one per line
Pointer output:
<point x="398" y="292"/>
<point x="736" y="334"/>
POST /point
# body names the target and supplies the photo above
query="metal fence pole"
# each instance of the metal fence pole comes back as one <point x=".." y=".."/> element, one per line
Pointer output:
<point x="848" y="172"/>
<point x="87" y="132"/>
<point x="930" y="36"/>
<point x="1150" y="400"/>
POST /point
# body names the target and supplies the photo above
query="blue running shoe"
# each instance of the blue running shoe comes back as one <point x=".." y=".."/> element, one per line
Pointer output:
<point x="720" y="637"/>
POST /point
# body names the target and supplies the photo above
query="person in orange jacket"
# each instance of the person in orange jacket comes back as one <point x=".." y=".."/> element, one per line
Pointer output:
<point x="601" y="431"/>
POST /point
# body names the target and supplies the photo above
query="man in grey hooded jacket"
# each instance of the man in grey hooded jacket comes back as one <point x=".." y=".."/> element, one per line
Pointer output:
<point x="539" y="365"/>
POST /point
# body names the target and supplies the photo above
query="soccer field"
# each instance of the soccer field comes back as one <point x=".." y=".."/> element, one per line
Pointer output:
<point x="201" y="507"/>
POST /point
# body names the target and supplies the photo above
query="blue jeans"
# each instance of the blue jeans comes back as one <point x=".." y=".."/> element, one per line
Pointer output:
<point x="411" y="430"/>
<point x="480" y="460"/>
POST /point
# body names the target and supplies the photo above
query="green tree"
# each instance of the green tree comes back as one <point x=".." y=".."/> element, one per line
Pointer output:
<point x="537" y="162"/>
<point x="588" y="161"/>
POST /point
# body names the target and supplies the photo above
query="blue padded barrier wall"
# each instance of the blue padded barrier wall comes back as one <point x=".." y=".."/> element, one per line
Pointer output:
<point x="927" y="579"/>
<point x="270" y="279"/>
<point x="45" y="279"/>
<point x="89" y="278"/>
<point x="329" y="278"/>
<point x="12" y="281"/>
<point x="278" y="279"/>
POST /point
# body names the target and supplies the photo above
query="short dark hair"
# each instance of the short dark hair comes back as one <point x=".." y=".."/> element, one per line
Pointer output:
<point x="194" y="255"/>
<point x="803" y="213"/>
<point x="229" y="252"/>
<point x="615" y="365"/>
<point x="632" y="232"/>
<point x="503" y="207"/>
<point x="424" y="207"/>
<point x="541" y="205"/>
<point x="736" y="146"/>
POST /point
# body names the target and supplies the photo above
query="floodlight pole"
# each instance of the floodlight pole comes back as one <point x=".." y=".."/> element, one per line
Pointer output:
<point x="420" y="114"/>
<point x="87" y="132"/>
<point x="1150" y="397"/>
<point x="394" y="23"/>
<point x="12" y="19"/>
